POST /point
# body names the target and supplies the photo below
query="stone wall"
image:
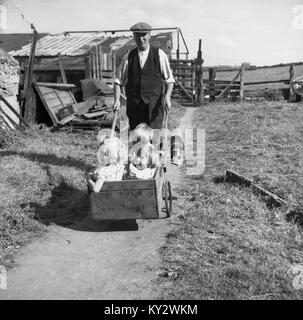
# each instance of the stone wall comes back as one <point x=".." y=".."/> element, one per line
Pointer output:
<point x="9" y="83"/>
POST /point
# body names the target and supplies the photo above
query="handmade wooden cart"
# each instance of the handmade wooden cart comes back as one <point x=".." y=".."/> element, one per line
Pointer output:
<point x="133" y="199"/>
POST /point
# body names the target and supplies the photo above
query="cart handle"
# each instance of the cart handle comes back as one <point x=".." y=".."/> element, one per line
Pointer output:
<point x="114" y="124"/>
<point x="165" y="136"/>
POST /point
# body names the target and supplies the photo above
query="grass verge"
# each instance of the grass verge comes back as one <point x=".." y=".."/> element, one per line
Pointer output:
<point x="229" y="243"/>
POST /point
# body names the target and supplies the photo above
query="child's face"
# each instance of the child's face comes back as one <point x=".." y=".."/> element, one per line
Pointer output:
<point x="143" y="162"/>
<point x="106" y="155"/>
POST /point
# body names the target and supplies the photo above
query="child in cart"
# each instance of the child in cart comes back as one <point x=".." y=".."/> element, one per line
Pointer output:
<point x="112" y="157"/>
<point x="144" y="157"/>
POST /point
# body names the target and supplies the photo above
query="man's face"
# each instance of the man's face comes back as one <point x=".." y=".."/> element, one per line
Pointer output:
<point x="142" y="40"/>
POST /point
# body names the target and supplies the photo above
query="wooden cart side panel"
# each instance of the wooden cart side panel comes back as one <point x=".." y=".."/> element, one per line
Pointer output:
<point x="128" y="185"/>
<point x="125" y="204"/>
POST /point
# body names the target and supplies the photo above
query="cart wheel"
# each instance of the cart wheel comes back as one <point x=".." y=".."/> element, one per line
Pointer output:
<point x="168" y="198"/>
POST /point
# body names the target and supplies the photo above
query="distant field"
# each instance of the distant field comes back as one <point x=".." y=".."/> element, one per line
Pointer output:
<point x="262" y="74"/>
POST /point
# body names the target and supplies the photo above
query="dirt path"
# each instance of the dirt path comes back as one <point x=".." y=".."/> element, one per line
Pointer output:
<point x="87" y="261"/>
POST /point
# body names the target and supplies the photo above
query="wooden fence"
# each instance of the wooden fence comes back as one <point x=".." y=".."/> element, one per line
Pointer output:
<point x="192" y="89"/>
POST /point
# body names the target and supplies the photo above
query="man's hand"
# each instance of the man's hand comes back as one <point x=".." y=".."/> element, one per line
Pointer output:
<point x="167" y="103"/>
<point x="116" y="105"/>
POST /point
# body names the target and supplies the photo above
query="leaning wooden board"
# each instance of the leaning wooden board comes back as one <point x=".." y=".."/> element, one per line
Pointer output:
<point x="128" y="199"/>
<point x="57" y="99"/>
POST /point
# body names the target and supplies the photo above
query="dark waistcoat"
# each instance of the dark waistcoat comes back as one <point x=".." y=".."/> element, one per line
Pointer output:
<point x="147" y="82"/>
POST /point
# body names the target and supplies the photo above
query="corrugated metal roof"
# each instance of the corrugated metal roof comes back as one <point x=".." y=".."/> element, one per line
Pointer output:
<point x="72" y="44"/>
<point x="68" y="45"/>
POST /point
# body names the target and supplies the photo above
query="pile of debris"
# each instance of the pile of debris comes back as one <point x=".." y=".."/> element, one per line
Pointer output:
<point x="59" y="101"/>
<point x="95" y="111"/>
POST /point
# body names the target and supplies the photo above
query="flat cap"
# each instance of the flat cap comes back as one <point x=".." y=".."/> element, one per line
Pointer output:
<point x="141" y="27"/>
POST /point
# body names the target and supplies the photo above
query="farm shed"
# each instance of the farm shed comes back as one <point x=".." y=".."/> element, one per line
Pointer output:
<point x="89" y="54"/>
<point x="71" y="57"/>
<point x="9" y="83"/>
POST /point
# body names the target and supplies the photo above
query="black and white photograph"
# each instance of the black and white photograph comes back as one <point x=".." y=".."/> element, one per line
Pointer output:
<point x="151" y="151"/>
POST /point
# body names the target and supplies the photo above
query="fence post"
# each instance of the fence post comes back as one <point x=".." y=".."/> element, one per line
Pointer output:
<point x="291" y="97"/>
<point x="242" y="82"/>
<point x="199" y="77"/>
<point x="178" y="44"/>
<point x="211" y="84"/>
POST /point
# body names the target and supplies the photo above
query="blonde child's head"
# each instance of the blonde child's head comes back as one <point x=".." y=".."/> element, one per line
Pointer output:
<point x="145" y="156"/>
<point x="111" y="150"/>
<point x="142" y="133"/>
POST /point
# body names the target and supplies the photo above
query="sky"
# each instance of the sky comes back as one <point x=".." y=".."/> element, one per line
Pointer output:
<point x="232" y="31"/>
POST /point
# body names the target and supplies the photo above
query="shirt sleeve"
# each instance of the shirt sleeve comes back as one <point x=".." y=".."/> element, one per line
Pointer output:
<point x="165" y="67"/>
<point x="123" y="72"/>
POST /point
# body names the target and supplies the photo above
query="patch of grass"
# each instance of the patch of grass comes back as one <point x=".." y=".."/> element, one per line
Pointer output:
<point x="230" y="245"/>
<point x="7" y="137"/>
<point x="175" y="114"/>
<point x="41" y="181"/>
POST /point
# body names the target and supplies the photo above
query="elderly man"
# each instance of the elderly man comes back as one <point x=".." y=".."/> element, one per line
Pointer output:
<point x="148" y="79"/>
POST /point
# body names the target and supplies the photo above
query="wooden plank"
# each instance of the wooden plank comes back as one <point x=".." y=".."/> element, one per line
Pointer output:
<point x="92" y="123"/>
<point x="3" y="113"/>
<point x="266" y="82"/>
<point x="241" y="94"/>
<point x="4" y="120"/>
<point x="30" y="68"/>
<point x="100" y="54"/>
<point x="292" y="95"/>
<point x="95" y="114"/>
<point x="2" y="98"/>
<point x="62" y="71"/>
<point x="189" y="67"/>
<point x="182" y="75"/>
<point x="93" y="57"/>
<point x="180" y="61"/>
<point x="114" y="65"/>
<point x="234" y="177"/>
<point x="30" y="108"/>
<point x="220" y="86"/>
<point x="212" y="84"/>
<point x="55" y="85"/>
<point x="97" y="63"/>
<point x="223" y="82"/>
<point x="199" y="77"/>
<point x="87" y="67"/>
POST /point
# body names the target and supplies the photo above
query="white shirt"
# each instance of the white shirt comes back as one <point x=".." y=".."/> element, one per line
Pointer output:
<point x="166" y="72"/>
